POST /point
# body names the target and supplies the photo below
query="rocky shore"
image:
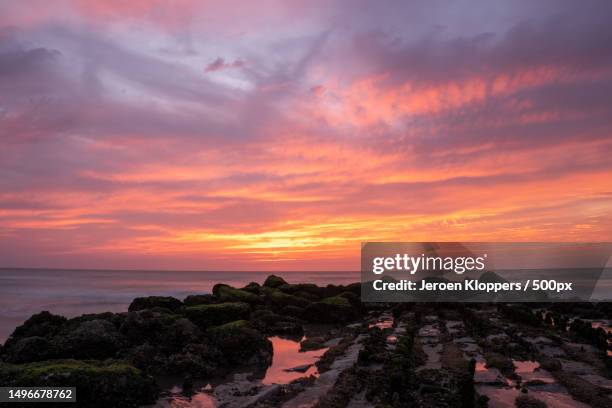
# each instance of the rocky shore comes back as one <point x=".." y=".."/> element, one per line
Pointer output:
<point x="368" y="355"/>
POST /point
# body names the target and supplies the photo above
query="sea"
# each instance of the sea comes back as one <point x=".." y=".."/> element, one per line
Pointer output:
<point x="70" y="293"/>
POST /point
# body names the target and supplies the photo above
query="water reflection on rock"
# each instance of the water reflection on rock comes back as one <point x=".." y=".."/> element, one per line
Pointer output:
<point x="287" y="357"/>
<point x="288" y="364"/>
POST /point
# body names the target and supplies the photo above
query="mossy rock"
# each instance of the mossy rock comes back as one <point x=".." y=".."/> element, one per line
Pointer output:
<point x="335" y="290"/>
<point x="336" y="309"/>
<point x="115" y="318"/>
<point x="226" y="293"/>
<point x="265" y="317"/>
<point x="280" y="299"/>
<point x="178" y="335"/>
<point x="354" y="288"/>
<point x="147" y="358"/>
<point x="198" y="360"/>
<point x="28" y="350"/>
<point x="308" y="296"/>
<point x="340" y="301"/>
<point x="212" y="315"/>
<point x="269" y="322"/>
<point x="293" y="311"/>
<point x="308" y="291"/>
<point x="149" y="302"/>
<point x="98" y="385"/>
<point x="550" y="364"/>
<point x="274" y="281"/>
<point x="332" y="290"/>
<point x="253" y="287"/>
<point x="310" y="288"/>
<point x="195" y="300"/>
<point x="503" y="363"/>
<point x="147" y="326"/>
<point x="353" y="299"/>
<point x="92" y="339"/>
<point x="43" y="324"/>
<point x="240" y="343"/>
<point x="312" y="343"/>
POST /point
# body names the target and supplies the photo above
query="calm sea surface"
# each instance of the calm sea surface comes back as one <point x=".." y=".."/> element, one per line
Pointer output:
<point x="70" y="293"/>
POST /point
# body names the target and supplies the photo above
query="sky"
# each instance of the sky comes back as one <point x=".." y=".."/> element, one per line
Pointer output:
<point x="279" y="135"/>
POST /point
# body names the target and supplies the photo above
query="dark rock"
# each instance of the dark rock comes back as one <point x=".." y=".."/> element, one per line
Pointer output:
<point x="180" y="333"/>
<point x="115" y="318"/>
<point x="99" y="385"/>
<point x="267" y="396"/>
<point x="140" y="326"/>
<point x="253" y="287"/>
<point x="312" y="343"/>
<point x="274" y="281"/>
<point x="354" y="288"/>
<point x="94" y="339"/>
<point x="526" y="401"/>
<point x="212" y="315"/>
<point x="147" y="326"/>
<point x="583" y="331"/>
<point x="293" y="311"/>
<point x="155" y="302"/>
<point x="147" y="358"/>
<point x="278" y="299"/>
<point x="374" y="348"/>
<point x="226" y="293"/>
<point x="328" y="358"/>
<point x="550" y="364"/>
<point x="162" y="310"/>
<point x="349" y="383"/>
<point x="188" y="385"/>
<point x="331" y="310"/>
<point x="195" y="300"/>
<point x="305" y="290"/>
<point x="499" y="361"/>
<point x="241" y="344"/>
<point x="288" y="328"/>
<point x="299" y="369"/>
<point x="43" y="324"/>
<point x="308" y="296"/>
<point x="583" y="390"/>
<point x="269" y="322"/>
<point x="332" y="290"/>
<point x="167" y="302"/>
<point x="28" y="350"/>
<point x="198" y="360"/>
<point x="353" y="299"/>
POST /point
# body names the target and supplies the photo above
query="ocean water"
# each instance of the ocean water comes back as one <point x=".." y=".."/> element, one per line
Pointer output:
<point x="71" y="293"/>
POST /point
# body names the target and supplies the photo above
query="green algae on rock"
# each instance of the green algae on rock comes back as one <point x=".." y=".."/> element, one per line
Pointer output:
<point x="241" y="344"/>
<point x="217" y="314"/>
<point x="274" y="281"/>
<point x="98" y="384"/>
<point x="226" y="293"/>
<point x="330" y="310"/>
<point x="149" y="302"/>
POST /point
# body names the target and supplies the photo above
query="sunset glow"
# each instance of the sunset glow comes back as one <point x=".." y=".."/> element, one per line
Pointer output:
<point x="279" y="136"/>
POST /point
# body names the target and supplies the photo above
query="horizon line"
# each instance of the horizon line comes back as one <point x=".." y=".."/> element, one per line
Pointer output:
<point x="171" y="270"/>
